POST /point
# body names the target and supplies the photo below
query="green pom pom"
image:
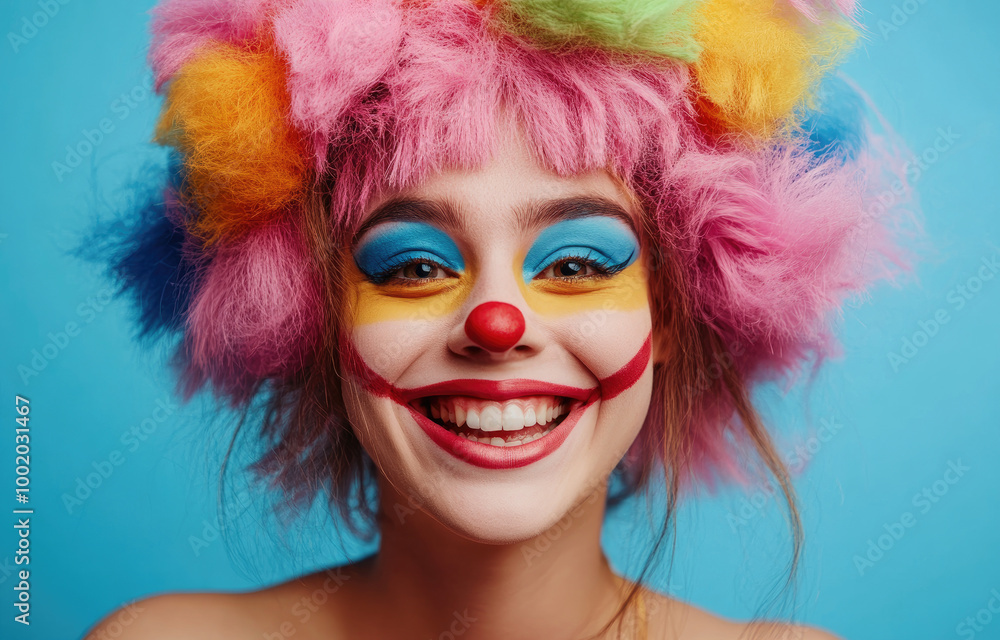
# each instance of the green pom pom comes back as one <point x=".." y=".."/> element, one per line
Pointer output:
<point x="657" y="27"/>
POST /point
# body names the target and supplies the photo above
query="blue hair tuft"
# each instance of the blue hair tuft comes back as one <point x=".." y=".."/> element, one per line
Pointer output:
<point x="837" y="127"/>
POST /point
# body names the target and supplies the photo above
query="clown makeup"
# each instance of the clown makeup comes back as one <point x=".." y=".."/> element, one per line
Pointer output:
<point x="498" y="359"/>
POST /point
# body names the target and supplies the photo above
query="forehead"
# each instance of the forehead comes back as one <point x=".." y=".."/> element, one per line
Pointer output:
<point x="512" y="190"/>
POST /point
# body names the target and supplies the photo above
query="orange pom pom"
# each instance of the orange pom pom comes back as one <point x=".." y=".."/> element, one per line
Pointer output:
<point x="227" y="111"/>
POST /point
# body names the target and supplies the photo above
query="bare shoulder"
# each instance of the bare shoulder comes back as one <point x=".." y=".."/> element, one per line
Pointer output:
<point x="176" y="615"/>
<point x="672" y="619"/>
<point x="276" y="611"/>
<point x="782" y="631"/>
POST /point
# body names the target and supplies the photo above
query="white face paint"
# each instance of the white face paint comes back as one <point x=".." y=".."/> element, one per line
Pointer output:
<point x="581" y="365"/>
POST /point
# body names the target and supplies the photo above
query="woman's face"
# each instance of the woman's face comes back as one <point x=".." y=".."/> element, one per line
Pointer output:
<point x="498" y="362"/>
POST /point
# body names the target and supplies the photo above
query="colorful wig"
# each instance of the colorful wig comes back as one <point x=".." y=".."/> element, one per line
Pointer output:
<point x="758" y="178"/>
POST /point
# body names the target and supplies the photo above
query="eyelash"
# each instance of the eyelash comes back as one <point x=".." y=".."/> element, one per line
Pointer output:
<point x="602" y="266"/>
<point x="387" y="274"/>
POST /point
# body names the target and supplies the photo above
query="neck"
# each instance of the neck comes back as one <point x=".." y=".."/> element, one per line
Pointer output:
<point x="435" y="583"/>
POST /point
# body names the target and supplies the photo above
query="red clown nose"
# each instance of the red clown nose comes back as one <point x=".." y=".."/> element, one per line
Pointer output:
<point x="495" y="326"/>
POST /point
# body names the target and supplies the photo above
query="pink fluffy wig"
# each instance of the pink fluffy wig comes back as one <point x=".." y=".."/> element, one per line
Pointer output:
<point x="757" y="175"/>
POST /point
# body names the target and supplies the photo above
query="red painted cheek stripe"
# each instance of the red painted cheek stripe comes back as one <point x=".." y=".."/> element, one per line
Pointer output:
<point x="357" y="367"/>
<point x="628" y="375"/>
<point x="607" y="388"/>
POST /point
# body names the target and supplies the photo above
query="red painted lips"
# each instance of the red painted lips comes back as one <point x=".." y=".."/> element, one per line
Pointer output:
<point x="487" y="455"/>
<point x="491" y="456"/>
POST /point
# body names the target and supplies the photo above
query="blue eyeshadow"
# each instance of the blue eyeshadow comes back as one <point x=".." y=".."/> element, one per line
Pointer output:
<point x="395" y="243"/>
<point x="605" y="239"/>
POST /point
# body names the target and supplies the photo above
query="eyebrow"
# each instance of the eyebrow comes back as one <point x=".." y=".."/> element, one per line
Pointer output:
<point x="411" y="210"/>
<point x="542" y="213"/>
<point x="532" y="215"/>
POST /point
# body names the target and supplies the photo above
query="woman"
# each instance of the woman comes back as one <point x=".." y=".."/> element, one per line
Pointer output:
<point x="493" y="258"/>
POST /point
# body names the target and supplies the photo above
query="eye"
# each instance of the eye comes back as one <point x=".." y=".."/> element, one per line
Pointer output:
<point x="579" y="267"/>
<point x="408" y="253"/>
<point x="581" y="249"/>
<point x="412" y="271"/>
<point x="569" y="268"/>
<point x="423" y="270"/>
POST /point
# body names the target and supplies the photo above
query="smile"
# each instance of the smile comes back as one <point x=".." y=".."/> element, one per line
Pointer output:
<point x="503" y="424"/>
<point x="497" y="424"/>
<point x="506" y="423"/>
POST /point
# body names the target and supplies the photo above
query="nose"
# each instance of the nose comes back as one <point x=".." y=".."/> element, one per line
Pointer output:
<point x="495" y="326"/>
<point x="498" y="324"/>
<point x="496" y="331"/>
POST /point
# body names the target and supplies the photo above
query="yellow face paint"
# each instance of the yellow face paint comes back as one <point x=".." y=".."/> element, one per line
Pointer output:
<point x="370" y="302"/>
<point x="376" y="298"/>
<point x="379" y="294"/>
<point x="604" y="244"/>
<point x="623" y="291"/>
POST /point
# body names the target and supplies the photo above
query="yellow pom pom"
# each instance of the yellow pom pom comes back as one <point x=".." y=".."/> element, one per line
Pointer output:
<point x="227" y="111"/>
<point x="759" y="65"/>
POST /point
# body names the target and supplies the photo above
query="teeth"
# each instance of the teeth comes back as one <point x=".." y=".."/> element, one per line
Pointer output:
<point x="491" y="416"/>
<point x="501" y="442"/>
<point x="529" y="417"/>
<point x="513" y="418"/>
<point x="525" y="440"/>
<point x="491" y="419"/>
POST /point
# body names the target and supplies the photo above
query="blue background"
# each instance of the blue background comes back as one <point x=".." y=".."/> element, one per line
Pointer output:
<point x="151" y="525"/>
